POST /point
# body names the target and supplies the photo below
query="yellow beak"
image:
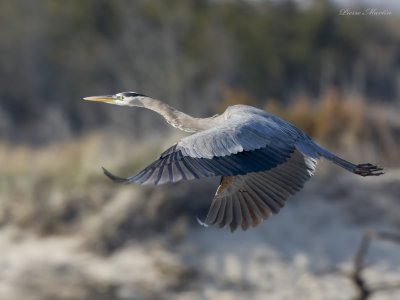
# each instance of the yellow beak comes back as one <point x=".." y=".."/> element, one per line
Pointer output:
<point x="107" y="98"/>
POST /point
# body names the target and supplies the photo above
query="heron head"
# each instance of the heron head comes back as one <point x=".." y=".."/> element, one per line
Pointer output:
<point x="124" y="99"/>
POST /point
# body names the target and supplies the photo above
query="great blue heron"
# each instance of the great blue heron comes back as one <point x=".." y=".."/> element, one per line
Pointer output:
<point x="261" y="159"/>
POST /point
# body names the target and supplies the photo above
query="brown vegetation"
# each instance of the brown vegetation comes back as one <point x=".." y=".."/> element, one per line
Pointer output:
<point x="342" y="123"/>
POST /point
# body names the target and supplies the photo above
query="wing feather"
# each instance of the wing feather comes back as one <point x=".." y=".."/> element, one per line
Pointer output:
<point x="213" y="212"/>
<point x="237" y="213"/>
<point x="229" y="210"/>
<point x="255" y="214"/>
<point x="263" y="208"/>
<point x="246" y="200"/>
<point x="221" y="212"/>
<point x="188" y="168"/>
<point x="265" y="195"/>
<point x="246" y="218"/>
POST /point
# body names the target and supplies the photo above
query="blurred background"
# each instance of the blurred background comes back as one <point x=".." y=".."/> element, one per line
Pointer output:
<point x="67" y="232"/>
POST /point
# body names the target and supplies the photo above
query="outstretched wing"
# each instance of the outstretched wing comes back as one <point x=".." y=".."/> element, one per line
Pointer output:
<point x="247" y="200"/>
<point x="238" y="146"/>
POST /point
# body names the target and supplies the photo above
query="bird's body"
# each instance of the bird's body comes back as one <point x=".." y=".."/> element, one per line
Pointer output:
<point x="261" y="159"/>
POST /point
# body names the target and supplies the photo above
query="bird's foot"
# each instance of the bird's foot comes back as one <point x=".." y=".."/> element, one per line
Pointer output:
<point x="368" y="170"/>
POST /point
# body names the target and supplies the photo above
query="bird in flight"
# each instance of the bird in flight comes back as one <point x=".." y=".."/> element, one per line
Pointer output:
<point x="261" y="159"/>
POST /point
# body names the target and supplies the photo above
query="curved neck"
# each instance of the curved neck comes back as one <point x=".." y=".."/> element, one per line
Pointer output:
<point x="175" y="117"/>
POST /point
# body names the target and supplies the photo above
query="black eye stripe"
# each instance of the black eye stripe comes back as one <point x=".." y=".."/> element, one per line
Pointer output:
<point x="132" y="94"/>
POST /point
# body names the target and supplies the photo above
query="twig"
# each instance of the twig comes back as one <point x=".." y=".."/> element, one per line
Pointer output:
<point x="365" y="291"/>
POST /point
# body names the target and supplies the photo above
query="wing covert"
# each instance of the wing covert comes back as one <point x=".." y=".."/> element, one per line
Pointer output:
<point x="235" y="135"/>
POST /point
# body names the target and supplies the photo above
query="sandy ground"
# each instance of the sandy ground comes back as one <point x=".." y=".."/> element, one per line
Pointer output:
<point x="304" y="252"/>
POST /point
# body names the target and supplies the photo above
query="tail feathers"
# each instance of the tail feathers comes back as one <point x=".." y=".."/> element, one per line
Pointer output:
<point x="365" y="169"/>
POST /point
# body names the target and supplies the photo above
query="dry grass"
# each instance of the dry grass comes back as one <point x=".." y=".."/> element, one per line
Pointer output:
<point x="52" y="188"/>
<point x="76" y="159"/>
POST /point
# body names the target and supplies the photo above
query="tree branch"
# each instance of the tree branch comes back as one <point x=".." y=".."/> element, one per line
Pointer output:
<point x="365" y="291"/>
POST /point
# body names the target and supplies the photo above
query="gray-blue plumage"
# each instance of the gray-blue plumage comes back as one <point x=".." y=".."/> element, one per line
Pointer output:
<point x="261" y="159"/>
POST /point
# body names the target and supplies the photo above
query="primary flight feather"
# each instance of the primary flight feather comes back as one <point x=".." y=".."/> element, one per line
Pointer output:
<point x="261" y="159"/>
